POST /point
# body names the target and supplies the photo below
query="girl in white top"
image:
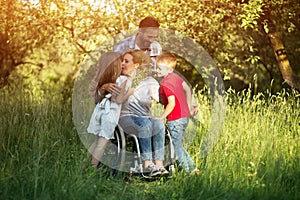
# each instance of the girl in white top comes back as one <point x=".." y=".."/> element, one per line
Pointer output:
<point x="106" y="113"/>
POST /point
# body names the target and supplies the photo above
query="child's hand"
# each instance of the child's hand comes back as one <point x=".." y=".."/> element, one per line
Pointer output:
<point x="194" y="110"/>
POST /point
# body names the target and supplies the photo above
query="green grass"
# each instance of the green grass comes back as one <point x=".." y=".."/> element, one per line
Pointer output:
<point x="256" y="157"/>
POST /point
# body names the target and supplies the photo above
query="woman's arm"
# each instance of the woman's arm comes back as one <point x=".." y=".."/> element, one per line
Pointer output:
<point x="123" y="96"/>
<point x="111" y="88"/>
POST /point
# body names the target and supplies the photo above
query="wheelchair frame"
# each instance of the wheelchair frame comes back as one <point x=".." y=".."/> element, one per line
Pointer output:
<point x="121" y="140"/>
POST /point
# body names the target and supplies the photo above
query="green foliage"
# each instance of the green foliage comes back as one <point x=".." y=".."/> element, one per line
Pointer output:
<point x="54" y="36"/>
<point x="51" y="37"/>
<point x="256" y="156"/>
<point x="251" y="13"/>
<point x="42" y="47"/>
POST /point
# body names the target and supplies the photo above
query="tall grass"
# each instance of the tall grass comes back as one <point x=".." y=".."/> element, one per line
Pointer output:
<point x="256" y="156"/>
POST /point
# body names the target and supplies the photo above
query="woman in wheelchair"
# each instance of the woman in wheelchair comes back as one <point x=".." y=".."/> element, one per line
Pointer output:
<point x="136" y="118"/>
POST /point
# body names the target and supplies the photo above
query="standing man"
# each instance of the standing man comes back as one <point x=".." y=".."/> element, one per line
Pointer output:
<point x="135" y="115"/>
<point x="143" y="40"/>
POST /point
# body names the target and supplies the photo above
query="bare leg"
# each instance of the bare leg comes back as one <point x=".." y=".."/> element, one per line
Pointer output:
<point x="98" y="150"/>
<point x="159" y="162"/>
<point x="89" y="154"/>
<point x="90" y="150"/>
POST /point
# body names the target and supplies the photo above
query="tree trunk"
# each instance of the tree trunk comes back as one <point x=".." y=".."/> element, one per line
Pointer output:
<point x="284" y="65"/>
<point x="279" y="50"/>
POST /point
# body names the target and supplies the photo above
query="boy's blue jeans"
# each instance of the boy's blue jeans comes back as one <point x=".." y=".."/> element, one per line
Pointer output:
<point x="177" y="129"/>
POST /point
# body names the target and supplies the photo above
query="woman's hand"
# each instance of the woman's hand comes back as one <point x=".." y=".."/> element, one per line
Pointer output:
<point x="111" y="88"/>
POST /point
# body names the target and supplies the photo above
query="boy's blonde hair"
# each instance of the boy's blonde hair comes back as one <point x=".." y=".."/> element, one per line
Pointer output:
<point x="167" y="59"/>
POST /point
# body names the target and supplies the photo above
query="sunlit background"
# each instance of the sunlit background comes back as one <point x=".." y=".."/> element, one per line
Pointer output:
<point x="43" y="45"/>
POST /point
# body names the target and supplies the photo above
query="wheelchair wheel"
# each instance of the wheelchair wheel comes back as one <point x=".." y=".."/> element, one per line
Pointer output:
<point x="169" y="153"/>
<point x="114" y="155"/>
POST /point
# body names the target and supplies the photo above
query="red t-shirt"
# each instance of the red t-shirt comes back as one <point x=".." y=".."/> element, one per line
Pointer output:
<point x="172" y="85"/>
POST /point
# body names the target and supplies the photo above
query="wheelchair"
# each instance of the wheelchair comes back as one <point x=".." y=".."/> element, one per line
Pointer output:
<point x="123" y="155"/>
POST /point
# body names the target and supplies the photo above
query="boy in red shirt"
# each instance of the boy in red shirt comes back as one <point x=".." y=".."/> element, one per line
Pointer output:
<point x="176" y="96"/>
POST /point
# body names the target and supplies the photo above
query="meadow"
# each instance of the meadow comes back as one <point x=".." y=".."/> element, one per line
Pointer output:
<point x="257" y="155"/>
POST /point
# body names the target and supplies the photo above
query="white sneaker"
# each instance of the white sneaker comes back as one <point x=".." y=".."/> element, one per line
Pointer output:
<point x="163" y="171"/>
<point x="154" y="171"/>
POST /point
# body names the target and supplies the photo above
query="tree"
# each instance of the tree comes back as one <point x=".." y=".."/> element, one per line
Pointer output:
<point x="276" y="20"/>
<point x="279" y="49"/>
<point x="56" y="35"/>
<point x="17" y="41"/>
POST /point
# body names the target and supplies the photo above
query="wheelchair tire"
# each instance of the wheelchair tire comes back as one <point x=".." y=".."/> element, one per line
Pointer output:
<point x="117" y="162"/>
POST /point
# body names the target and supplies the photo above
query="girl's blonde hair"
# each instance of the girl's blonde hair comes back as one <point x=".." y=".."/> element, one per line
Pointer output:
<point x="109" y="69"/>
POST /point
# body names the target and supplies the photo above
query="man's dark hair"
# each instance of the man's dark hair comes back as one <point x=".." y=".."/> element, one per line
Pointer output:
<point x="149" y="22"/>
